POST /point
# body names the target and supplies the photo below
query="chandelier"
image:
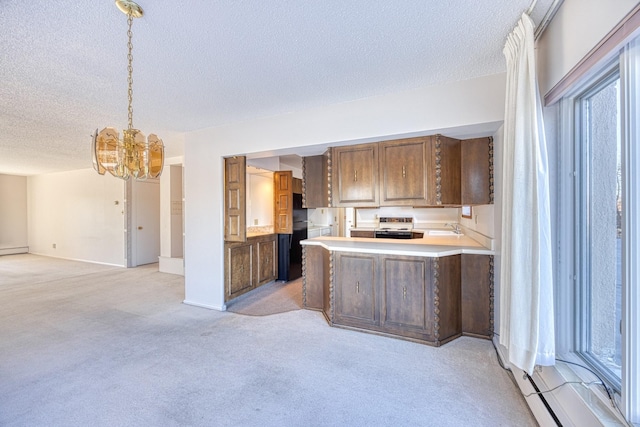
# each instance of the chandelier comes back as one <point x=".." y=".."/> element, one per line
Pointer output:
<point x="133" y="155"/>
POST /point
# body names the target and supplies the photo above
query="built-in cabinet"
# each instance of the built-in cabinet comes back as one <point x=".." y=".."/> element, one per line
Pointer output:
<point x="355" y="176"/>
<point x="424" y="171"/>
<point x="432" y="300"/>
<point x="250" y="264"/>
<point x="355" y="298"/>
<point x="476" y="165"/>
<point x="315" y="181"/>
<point x="404" y="174"/>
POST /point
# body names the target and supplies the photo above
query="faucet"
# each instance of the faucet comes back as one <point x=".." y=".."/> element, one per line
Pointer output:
<point x="456" y="227"/>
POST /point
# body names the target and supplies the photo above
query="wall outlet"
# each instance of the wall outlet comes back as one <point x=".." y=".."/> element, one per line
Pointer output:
<point x="54" y="246"/>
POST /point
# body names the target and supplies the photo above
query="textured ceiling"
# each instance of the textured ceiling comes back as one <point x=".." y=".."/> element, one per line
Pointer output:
<point x="205" y="63"/>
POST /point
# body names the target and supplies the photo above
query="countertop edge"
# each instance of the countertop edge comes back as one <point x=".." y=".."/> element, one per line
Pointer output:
<point x="424" y="250"/>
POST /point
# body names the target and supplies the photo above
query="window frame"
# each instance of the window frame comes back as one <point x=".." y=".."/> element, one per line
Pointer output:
<point x="567" y="291"/>
<point x="582" y="153"/>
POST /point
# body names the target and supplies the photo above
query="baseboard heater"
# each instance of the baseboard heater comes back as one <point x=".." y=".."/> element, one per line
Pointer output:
<point x="544" y="401"/>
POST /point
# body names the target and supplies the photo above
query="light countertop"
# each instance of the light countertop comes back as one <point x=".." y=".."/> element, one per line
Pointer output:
<point x="428" y="246"/>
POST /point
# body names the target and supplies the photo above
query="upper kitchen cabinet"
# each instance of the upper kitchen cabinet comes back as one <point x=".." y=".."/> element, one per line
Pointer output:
<point x="404" y="174"/>
<point x="235" y="199"/>
<point x="315" y="181"/>
<point x="477" y="171"/>
<point x="445" y="169"/>
<point x="355" y="179"/>
<point x="283" y="202"/>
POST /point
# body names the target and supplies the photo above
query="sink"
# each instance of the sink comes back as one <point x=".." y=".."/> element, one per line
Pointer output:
<point x="444" y="233"/>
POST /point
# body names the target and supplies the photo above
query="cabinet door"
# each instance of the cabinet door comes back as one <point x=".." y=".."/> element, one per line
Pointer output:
<point x="235" y="199"/>
<point x="476" y="166"/>
<point x="445" y="167"/>
<point x="477" y="318"/>
<point x="266" y="255"/>
<point x="356" y="169"/>
<point x="283" y="203"/>
<point x="354" y="284"/>
<point x="315" y="191"/>
<point x="405" y="289"/>
<point x="403" y="166"/>
<point x="239" y="270"/>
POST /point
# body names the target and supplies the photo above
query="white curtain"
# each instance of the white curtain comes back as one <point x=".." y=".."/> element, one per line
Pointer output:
<point x="526" y="277"/>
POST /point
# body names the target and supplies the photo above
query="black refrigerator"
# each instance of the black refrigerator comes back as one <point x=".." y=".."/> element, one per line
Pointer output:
<point x="289" y="248"/>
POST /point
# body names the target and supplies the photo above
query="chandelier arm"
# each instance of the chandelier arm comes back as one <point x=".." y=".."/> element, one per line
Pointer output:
<point x="130" y="69"/>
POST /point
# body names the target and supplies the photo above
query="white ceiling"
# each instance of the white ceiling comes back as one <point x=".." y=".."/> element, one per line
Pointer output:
<point x="203" y="63"/>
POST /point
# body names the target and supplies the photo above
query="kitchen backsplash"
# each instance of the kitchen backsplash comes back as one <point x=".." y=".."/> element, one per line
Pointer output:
<point x="421" y="216"/>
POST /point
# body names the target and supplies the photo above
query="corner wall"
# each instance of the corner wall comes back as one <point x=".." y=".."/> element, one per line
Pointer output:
<point x="80" y="212"/>
<point x="13" y="215"/>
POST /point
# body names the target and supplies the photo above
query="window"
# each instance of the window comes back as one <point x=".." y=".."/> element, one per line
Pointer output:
<point x="598" y="271"/>
<point x="599" y="226"/>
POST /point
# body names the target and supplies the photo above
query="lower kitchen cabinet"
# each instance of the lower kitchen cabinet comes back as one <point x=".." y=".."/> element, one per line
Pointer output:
<point x="428" y="299"/>
<point x="266" y="250"/>
<point x="249" y="264"/>
<point x="407" y="295"/>
<point x="239" y="269"/>
<point x="355" y="298"/>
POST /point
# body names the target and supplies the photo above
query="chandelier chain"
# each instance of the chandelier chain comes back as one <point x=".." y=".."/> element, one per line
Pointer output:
<point x="130" y="69"/>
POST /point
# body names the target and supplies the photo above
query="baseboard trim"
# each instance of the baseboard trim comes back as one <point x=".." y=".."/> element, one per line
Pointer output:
<point x="79" y="259"/>
<point x="207" y="306"/>
<point x="15" y="251"/>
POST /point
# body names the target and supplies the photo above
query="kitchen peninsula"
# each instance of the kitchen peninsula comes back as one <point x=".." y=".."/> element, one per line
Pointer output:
<point x="430" y="290"/>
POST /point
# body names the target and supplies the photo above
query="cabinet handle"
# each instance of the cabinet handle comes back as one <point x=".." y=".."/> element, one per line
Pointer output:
<point x="404" y="292"/>
<point x="358" y="287"/>
<point x="404" y="171"/>
<point x="355" y="175"/>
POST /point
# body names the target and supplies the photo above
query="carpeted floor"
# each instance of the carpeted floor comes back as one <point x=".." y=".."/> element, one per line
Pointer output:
<point x="272" y="298"/>
<point x="89" y="345"/>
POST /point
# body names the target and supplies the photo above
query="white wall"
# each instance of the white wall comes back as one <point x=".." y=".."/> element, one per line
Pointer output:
<point x="576" y="29"/>
<point x="259" y="199"/>
<point x="477" y="103"/>
<point x="13" y="214"/>
<point x="80" y="212"/>
<point x="482" y="220"/>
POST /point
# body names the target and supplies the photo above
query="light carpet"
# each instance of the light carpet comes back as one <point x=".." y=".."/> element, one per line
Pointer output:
<point x="116" y="347"/>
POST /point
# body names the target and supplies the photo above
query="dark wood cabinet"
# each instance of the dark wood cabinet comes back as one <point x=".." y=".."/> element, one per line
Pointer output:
<point x="477" y="294"/>
<point x="249" y="264"/>
<point x="476" y="165"/>
<point x="406" y="291"/>
<point x="403" y="172"/>
<point x="425" y="171"/>
<point x="355" y="297"/>
<point x="355" y="182"/>
<point x="445" y="169"/>
<point x="432" y="300"/>
<point x="315" y="182"/>
<point x="446" y="289"/>
<point x="362" y="233"/>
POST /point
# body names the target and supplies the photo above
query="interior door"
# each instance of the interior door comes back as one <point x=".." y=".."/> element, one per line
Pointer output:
<point x="147" y="230"/>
